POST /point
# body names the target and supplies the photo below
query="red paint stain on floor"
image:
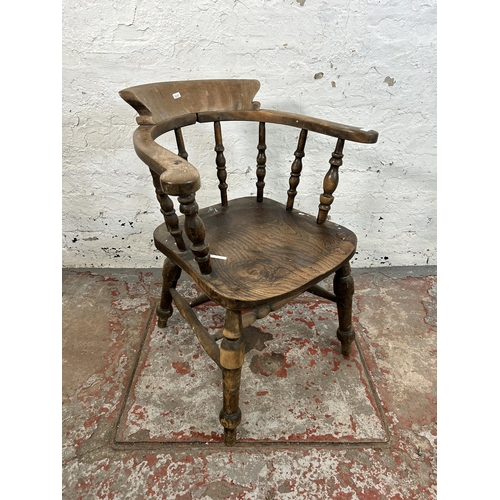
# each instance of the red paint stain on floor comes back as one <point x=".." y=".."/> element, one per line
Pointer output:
<point x="310" y="324"/>
<point x="181" y="368"/>
<point x="353" y="423"/>
<point x="193" y="435"/>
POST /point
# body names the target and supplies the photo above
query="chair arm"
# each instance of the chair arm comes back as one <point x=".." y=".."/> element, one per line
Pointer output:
<point x="177" y="176"/>
<point x="325" y="127"/>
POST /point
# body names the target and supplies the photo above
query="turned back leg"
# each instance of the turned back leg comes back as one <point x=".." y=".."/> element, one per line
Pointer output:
<point x="343" y="286"/>
<point x="171" y="274"/>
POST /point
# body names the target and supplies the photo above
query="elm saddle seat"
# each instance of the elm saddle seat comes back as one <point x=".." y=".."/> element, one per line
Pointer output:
<point x="250" y="255"/>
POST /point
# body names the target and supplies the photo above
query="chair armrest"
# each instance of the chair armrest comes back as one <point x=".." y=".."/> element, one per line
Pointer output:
<point x="346" y="132"/>
<point x="177" y="176"/>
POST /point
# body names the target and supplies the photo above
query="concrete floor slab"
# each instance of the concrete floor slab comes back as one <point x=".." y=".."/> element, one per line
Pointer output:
<point x="296" y="386"/>
<point x="105" y="315"/>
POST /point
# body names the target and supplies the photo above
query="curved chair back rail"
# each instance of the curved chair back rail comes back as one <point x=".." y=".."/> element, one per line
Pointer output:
<point x="168" y="106"/>
<point x="346" y="132"/>
<point x="264" y="252"/>
<point x="180" y="176"/>
<point x="156" y="102"/>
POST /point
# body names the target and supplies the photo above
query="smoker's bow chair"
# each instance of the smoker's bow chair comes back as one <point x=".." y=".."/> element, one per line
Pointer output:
<point x="271" y="252"/>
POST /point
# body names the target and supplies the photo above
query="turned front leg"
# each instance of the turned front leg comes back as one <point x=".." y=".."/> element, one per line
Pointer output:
<point x="343" y="286"/>
<point x="232" y="352"/>
<point x="171" y="274"/>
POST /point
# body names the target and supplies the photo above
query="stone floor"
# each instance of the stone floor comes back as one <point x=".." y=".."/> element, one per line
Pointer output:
<point x="140" y="404"/>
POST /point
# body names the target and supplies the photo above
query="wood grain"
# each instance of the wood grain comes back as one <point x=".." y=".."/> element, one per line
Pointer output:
<point x="325" y="127"/>
<point x="156" y="102"/>
<point x="271" y="253"/>
<point x="343" y="286"/>
<point x="195" y="231"/>
<point x="178" y="177"/>
<point x="249" y="254"/>
<point x="220" y="161"/>
<point x="330" y="182"/>
<point x="168" y="212"/>
<point x="261" y="162"/>
<point x="296" y="169"/>
<point x="171" y="273"/>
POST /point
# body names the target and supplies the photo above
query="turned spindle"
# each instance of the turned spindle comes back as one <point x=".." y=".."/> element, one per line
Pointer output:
<point x="296" y="169"/>
<point x="195" y="231"/>
<point x="330" y="182"/>
<point x="220" y="161"/>
<point x="180" y="144"/>
<point x="168" y="211"/>
<point x="261" y="162"/>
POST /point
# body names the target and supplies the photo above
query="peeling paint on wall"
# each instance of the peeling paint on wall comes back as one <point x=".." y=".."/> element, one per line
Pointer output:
<point x="390" y="81"/>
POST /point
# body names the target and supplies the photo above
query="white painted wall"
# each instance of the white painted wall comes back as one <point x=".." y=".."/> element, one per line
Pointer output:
<point x="377" y="62"/>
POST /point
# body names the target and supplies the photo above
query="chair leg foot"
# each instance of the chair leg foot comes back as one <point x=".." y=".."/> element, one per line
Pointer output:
<point x="229" y="437"/>
<point x="346" y="339"/>
<point x="163" y="315"/>
<point x="171" y="274"/>
<point x="343" y="285"/>
<point x="230" y="422"/>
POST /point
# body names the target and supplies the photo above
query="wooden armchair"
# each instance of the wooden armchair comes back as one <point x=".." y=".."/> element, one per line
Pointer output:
<point x="251" y="255"/>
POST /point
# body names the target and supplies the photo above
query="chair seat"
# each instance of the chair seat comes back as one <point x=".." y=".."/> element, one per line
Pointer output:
<point x="271" y="253"/>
